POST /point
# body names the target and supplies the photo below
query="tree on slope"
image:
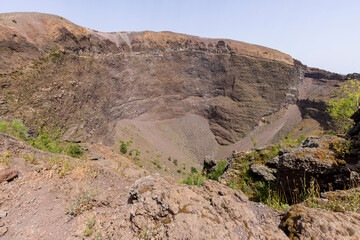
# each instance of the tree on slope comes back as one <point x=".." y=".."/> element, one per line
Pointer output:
<point x="346" y="105"/>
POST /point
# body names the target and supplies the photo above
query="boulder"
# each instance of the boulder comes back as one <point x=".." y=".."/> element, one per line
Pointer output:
<point x="273" y="163"/>
<point x="212" y="211"/>
<point x="209" y="165"/>
<point x="262" y="172"/>
<point x="302" y="222"/>
<point x="314" y="160"/>
<point x="7" y="175"/>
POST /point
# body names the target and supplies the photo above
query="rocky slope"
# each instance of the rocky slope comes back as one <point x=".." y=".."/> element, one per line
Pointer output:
<point x="56" y="197"/>
<point x="188" y="94"/>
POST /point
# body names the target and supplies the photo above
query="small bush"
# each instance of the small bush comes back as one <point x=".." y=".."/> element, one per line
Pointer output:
<point x="289" y="142"/>
<point x="30" y="159"/>
<point x="156" y="163"/>
<point x="175" y="162"/>
<point x="48" y="139"/>
<point x="89" y="230"/>
<point x="123" y="148"/>
<point x="253" y="140"/>
<point x="5" y="158"/>
<point x="221" y="166"/>
<point x="194" y="180"/>
<point x="15" y="128"/>
<point x="341" y="149"/>
<point x="74" y="150"/>
<point x="193" y="170"/>
<point x="82" y="202"/>
<point x="18" y="128"/>
<point x="4" y="127"/>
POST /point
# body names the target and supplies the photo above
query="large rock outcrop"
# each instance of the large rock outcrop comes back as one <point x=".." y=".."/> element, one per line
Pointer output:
<point x="213" y="211"/>
<point x="317" y="159"/>
<point x="312" y="223"/>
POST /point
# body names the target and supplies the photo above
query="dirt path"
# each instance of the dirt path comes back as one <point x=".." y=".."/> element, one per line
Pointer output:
<point x="38" y="203"/>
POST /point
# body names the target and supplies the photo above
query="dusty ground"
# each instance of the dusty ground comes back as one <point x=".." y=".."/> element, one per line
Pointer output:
<point x="37" y="201"/>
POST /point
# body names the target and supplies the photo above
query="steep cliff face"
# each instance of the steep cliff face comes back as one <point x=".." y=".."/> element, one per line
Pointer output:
<point x="55" y="72"/>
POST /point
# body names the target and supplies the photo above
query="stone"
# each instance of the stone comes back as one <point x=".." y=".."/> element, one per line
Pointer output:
<point x="273" y="163"/>
<point x="7" y="175"/>
<point x="262" y="172"/>
<point x="3" y="214"/>
<point x="3" y="230"/>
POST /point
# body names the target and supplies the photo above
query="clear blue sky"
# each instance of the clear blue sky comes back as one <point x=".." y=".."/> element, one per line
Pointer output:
<point x="320" y="33"/>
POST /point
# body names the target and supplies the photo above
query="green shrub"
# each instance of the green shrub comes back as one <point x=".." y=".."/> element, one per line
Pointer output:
<point x="74" y="150"/>
<point x="123" y="148"/>
<point x="15" y="128"/>
<point x="289" y="142"/>
<point x="89" y="230"/>
<point x="194" y="180"/>
<point x="348" y="101"/>
<point x="253" y="140"/>
<point x="341" y="149"/>
<point x="156" y="163"/>
<point x="48" y="139"/>
<point x="18" y="128"/>
<point x="193" y="170"/>
<point x="218" y="171"/>
<point x="30" y="159"/>
<point x="4" y="127"/>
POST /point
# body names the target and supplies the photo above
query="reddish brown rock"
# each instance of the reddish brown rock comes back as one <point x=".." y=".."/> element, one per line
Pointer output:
<point x="7" y="175"/>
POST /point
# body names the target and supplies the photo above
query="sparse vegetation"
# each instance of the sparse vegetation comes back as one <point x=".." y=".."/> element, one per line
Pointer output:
<point x="336" y="201"/>
<point x="289" y="141"/>
<point x="15" y="128"/>
<point x="5" y="158"/>
<point x="74" y="150"/>
<point x="30" y="159"/>
<point x="194" y="179"/>
<point x="49" y="139"/>
<point x="81" y="202"/>
<point x="89" y="229"/>
<point x="341" y="148"/>
<point x="253" y="140"/>
<point x="14" y="21"/>
<point x="184" y="166"/>
<point x="193" y="170"/>
<point x="175" y="162"/>
<point x="156" y="163"/>
<point x="124" y="146"/>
